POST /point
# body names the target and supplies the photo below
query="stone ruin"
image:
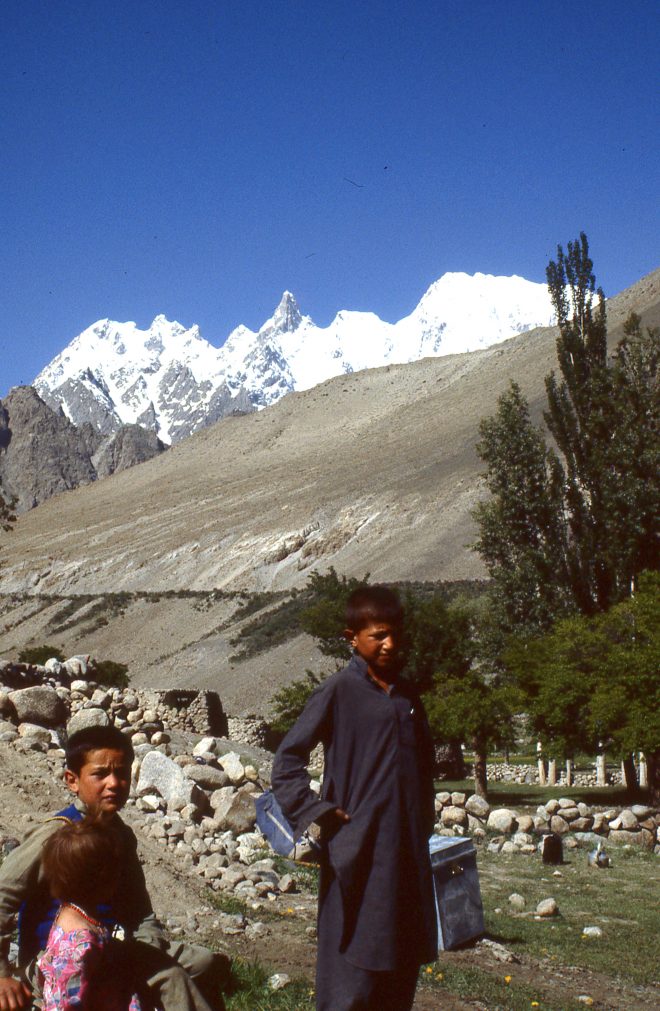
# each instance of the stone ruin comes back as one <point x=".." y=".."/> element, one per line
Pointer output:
<point x="193" y="712"/>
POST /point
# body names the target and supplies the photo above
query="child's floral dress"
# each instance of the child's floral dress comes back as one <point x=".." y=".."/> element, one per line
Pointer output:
<point x="80" y="972"/>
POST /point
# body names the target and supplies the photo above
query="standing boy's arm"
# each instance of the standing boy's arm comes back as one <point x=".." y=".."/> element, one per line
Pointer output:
<point x="290" y="779"/>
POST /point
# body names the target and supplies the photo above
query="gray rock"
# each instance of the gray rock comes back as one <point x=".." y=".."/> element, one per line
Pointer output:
<point x="239" y="815"/>
<point x="525" y="823"/>
<point x="517" y="902"/>
<point x="477" y="806"/>
<point x="502" y="820"/>
<point x="558" y="825"/>
<point x="206" y="776"/>
<point x="34" y="732"/>
<point x="87" y="718"/>
<point x="547" y="907"/>
<point x="160" y="774"/>
<point x="232" y="765"/>
<point x="452" y="815"/>
<point x="41" y="705"/>
<point x="641" y="811"/>
<point x="207" y="745"/>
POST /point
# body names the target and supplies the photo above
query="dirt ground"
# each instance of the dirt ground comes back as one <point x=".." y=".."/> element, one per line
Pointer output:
<point x="31" y="787"/>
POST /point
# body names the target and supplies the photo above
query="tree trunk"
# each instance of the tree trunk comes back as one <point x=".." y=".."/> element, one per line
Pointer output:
<point x="569" y="772"/>
<point x="601" y="771"/>
<point x="552" y="772"/>
<point x="543" y="780"/>
<point x="653" y="772"/>
<point x="629" y="773"/>
<point x="480" y="770"/>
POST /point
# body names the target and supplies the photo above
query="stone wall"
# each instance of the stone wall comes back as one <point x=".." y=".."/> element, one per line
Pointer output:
<point x="193" y="712"/>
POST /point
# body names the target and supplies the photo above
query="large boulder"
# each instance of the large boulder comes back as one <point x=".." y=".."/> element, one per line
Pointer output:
<point x="502" y="820"/>
<point x="206" y="776"/>
<point x="453" y="815"/>
<point x="160" y="774"/>
<point x="41" y="705"/>
<point x="234" y="810"/>
<point x="477" y="806"/>
<point x="85" y="718"/>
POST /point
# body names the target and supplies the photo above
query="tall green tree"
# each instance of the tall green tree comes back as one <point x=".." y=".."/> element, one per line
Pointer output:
<point x="568" y="530"/>
<point x="523" y="536"/>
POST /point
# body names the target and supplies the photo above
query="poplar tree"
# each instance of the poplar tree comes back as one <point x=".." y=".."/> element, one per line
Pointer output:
<point x="568" y="531"/>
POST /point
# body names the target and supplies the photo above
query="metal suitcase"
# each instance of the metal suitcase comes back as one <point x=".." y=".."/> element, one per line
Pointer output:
<point x="457" y="893"/>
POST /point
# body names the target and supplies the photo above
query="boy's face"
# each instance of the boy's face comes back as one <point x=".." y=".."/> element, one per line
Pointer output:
<point x="104" y="780"/>
<point x="379" y="644"/>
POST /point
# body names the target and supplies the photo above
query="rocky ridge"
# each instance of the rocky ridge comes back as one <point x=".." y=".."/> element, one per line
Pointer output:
<point x="42" y="453"/>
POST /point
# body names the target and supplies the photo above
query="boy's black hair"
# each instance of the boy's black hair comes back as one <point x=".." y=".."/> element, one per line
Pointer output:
<point x="95" y="738"/>
<point x="373" y="603"/>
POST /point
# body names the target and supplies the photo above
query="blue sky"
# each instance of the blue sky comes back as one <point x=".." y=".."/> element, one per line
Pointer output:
<point x="197" y="158"/>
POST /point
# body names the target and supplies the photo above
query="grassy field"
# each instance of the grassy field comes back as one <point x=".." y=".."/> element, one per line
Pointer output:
<point x="555" y="963"/>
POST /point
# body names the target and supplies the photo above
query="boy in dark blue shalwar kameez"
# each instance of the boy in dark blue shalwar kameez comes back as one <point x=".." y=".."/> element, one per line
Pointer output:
<point x="377" y="920"/>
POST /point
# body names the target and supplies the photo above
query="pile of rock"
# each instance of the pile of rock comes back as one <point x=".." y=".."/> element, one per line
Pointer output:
<point x="194" y="796"/>
<point x="507" y="831"/>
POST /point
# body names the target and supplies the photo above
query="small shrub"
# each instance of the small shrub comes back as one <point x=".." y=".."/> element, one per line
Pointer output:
<point x="111" y="674"/>
<point x="39" y="654"/>
<point x="289" y="702"/>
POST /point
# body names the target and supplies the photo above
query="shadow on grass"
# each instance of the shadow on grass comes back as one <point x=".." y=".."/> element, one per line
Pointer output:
<point x="502" y="794"/>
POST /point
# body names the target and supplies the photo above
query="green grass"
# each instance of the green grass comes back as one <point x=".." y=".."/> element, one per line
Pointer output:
<point x="250" y="991"/>
<point x="616" y="899"/>
<point x="493" y="990"/>
<point x="530" y="795"/>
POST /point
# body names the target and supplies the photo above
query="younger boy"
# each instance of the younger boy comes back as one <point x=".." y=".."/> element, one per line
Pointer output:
<point x="98" y="771"/>
<point x="376" y="922"/>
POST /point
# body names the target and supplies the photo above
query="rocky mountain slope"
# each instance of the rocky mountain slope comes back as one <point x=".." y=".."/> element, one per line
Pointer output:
<point x="371" y="472"/>
<point x="169" y="379"/>
<point x="42" y="453"/>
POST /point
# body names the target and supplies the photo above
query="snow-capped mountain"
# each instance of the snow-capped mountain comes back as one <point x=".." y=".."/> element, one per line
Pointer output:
<point x="171" y="380"/>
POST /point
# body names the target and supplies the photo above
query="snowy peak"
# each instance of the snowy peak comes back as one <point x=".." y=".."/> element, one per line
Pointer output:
<point x="169" y="379"/>
<point x="287" y="317"/>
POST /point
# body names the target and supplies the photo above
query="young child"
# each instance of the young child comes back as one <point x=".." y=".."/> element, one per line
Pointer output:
<point x="376" y="921"/>
<point x="178" y="977"/>
<point x="82" y="966"/>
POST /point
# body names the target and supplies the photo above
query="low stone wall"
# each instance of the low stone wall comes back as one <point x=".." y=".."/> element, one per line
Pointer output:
<point x="502" y="772"/>
<point x="509" y="831"/>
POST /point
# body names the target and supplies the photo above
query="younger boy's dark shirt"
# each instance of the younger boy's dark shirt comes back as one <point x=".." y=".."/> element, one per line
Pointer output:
<point x="378" y="768"/>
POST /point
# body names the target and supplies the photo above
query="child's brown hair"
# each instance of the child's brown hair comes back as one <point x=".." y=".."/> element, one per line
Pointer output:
<point x="81" y="861"/>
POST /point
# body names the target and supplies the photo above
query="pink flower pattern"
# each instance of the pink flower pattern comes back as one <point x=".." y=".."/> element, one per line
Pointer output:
<point x="79" y="973"/>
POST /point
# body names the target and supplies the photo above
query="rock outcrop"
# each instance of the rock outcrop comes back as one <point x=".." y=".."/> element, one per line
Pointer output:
<point x="42" y="453"/>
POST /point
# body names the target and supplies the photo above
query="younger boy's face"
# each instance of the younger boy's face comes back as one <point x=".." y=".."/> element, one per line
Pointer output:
<point x="379" y="644"/>
<point x="103" y="782"/>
